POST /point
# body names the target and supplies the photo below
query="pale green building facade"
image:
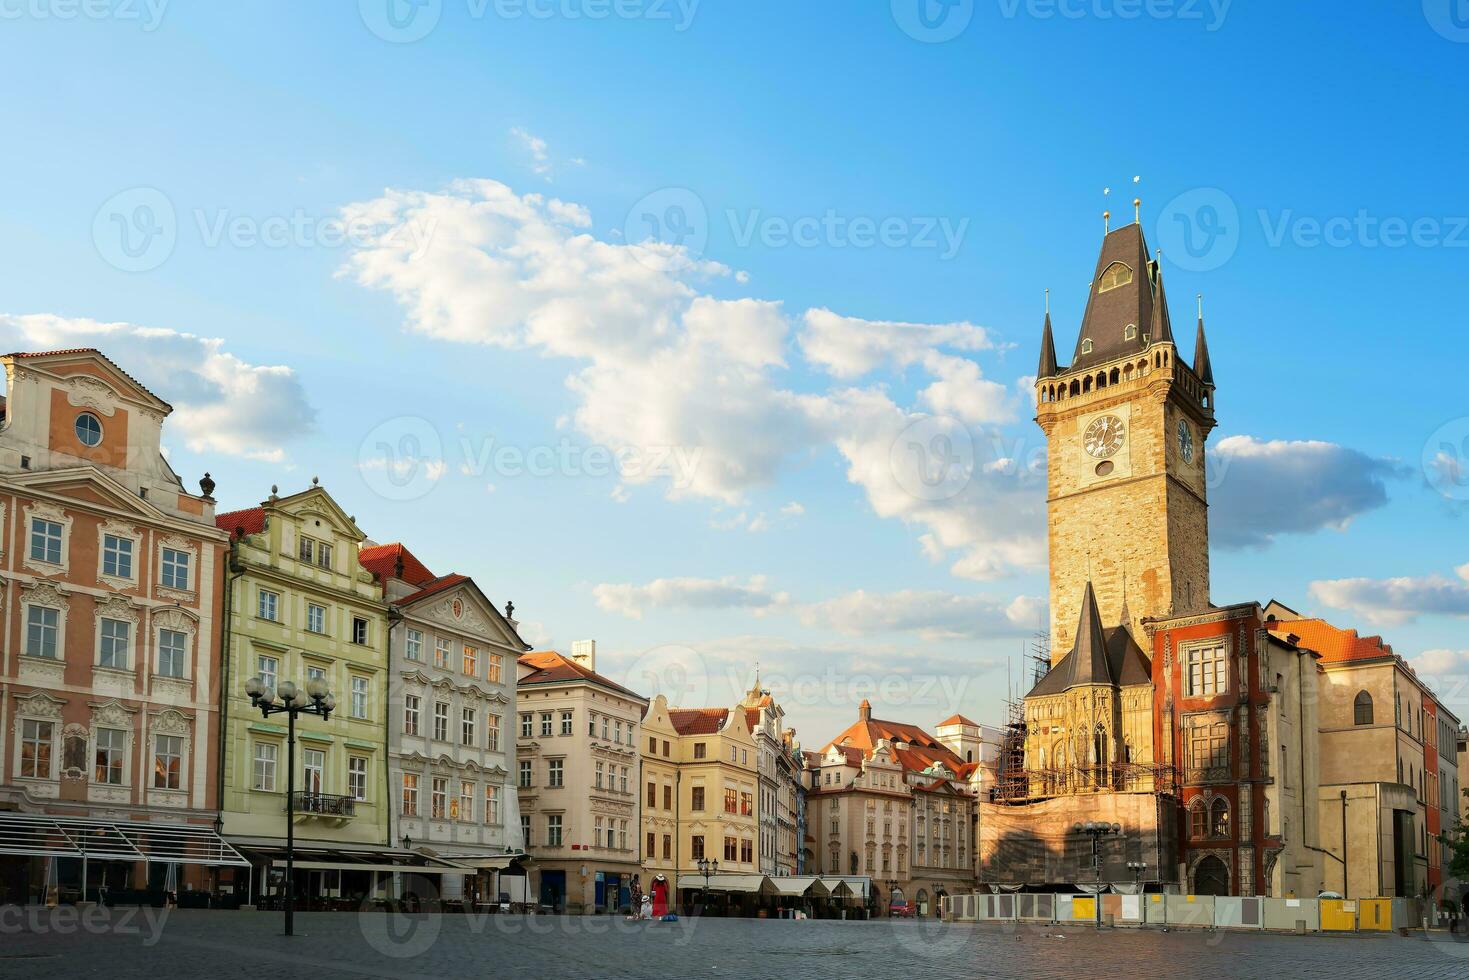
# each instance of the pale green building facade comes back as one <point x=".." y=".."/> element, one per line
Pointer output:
<point x="299" y="604"/>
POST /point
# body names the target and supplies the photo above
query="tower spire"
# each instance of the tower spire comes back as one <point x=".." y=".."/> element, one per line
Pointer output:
<point x="1047" y="367"/>
<point x="1202" y="367"/>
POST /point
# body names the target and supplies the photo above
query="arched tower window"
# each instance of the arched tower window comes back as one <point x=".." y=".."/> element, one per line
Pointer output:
<point x="1219" y="818"/>
<point x="1362" y="709"/>
<point x="1116" y="274"/>
<point x="1197" y="818"/>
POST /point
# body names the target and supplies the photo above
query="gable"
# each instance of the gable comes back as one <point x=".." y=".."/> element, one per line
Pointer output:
<point x="89" y="486"/>
<point x="89" y="363"/>
<point x="464" y="607"/>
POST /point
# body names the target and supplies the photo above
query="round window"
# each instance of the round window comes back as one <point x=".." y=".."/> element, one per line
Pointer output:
<point x="88" y="429"/>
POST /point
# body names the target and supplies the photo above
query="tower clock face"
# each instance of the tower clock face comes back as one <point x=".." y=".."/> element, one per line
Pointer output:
<point x="1104" y="436"/>
<point x="1185" y="441"/>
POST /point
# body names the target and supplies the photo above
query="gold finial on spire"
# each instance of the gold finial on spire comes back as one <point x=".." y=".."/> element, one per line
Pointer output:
<point x="1107" y="221"/>
<point x="1201" y="305"/>
<point x="1137" y="210"/>
<point x="1048" y="302"/>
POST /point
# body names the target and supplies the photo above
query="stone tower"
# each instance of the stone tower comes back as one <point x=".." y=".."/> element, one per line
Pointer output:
<point x="1126" y="424"/>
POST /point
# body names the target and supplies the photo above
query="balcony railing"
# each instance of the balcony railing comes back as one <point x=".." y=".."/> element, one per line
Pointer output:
<point x="325" y="804"/>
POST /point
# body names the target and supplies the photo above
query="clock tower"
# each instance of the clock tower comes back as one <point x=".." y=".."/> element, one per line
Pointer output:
<point x="1126" y="424"/>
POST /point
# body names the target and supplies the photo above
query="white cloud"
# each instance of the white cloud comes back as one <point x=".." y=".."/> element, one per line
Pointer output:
<point x="1394" y="601"/>
<point x="686" y="593"/>
<point x="793" y="509"/>
<point x="221" y="403"/>
<point x="1264" y="489"/>
<point x="1439" y="663"/>
<point x="932" y="615"/>
<point x="535" y="146"/>
<point x="849" y="347"/>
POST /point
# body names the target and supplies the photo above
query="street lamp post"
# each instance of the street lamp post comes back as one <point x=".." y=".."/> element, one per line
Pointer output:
<point x="313" y="699"/>
<point x="1096" y="830"/>
<point x="706" y="868"/>
<point x="1137" y="868"/>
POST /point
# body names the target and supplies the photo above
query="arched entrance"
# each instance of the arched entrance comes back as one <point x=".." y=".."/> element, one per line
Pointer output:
<point x="1211" y="877"/>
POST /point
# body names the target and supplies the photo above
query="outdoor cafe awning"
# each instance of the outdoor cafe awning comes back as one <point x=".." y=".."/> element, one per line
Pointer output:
<point x="795" y="887"/>
<point x="741" y="884"/>
<point x="41" y="835"/>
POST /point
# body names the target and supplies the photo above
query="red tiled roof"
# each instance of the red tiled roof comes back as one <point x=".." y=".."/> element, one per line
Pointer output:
<point x="252" y="519"/>
<point x="551" y="667"/>
<point x="957" y="720"/>
<point x="383" y="559"/>
<point x="752" y="718"/>
<point x="1335" y="645"/>
<point x="923" y="749"/>
<point x="698" y="721"/>
<point x="433" y="588"/>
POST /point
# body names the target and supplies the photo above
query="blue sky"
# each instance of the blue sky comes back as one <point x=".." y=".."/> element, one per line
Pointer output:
<point x="529" y="309"/>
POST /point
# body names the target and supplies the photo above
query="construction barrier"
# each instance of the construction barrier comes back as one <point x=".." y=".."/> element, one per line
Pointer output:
<point x="1192" y="911"/>
<point x="1374" y="915"/>
<point x="1284" y="914"/>
<point x="1338" y="915"/>
<point x="1231" y="912"/>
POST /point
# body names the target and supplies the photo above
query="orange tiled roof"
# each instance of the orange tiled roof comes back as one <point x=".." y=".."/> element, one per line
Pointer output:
<point x="552" y="667"/>
<point x="383" y="559"/>
<point x="752" y="718"/>
<point x="252" y="519"/>
<point x="434" y="587"/>
<point x="923" y="749"/>
<point x="698" y="721"/>
<point x="1335" y="645"/>
<point x="957" y="720"/>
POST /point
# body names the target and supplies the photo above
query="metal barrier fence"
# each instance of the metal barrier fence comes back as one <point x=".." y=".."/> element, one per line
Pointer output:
<point x="1191" y="911"/>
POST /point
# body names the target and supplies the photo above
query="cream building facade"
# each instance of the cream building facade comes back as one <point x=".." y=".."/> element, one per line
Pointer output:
<point x="576" y="772"/>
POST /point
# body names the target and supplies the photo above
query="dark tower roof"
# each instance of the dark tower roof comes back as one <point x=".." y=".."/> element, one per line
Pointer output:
<point x="1202" y="367"/>
<point x="1128" y="295"/>
<point x="1099" y="656"/>
<point x="1048" y="351"/>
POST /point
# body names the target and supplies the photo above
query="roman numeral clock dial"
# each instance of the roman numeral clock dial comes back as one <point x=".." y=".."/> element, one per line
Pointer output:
<point x="1104" y="436"/>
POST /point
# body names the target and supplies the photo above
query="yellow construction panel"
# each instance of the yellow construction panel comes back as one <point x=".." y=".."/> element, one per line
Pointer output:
<point x="1084" y="909"/>
<point x="1338" y="916"/>
<point x="1375" y="914"/>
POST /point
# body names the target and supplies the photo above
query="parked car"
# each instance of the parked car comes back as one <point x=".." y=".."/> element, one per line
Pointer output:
<point x="900" y="910"/>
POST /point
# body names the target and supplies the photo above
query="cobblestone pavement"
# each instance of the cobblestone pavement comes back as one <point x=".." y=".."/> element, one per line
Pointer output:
<point x="148" y="943"/>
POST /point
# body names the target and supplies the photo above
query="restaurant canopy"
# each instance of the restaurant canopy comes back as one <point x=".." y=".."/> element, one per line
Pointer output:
<point x="41" y="835"/>
<point x="740" y="884"/>
<point x="800" y="885"/>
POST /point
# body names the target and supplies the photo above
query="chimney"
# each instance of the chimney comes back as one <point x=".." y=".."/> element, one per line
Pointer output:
<point x="584" y="652"/>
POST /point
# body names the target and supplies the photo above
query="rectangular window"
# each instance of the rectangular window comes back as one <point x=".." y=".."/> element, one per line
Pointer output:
<point x="555" y="772"/>
<point x="324" y="556"/>
<point x="747" y="805"/>
<point x="525" y="726"/>
<point x="731" y="801"/>
<point x="268" y="668"/>
<point x="747" y="850"/>
<point x="604" y="729"/>
<point x="667" y="797"/>
<point x="497" y="668"/>
<point x="622" y="780"/>
<point x="172" y="649"/>
<point x="441" y="652"/>
<point x="1208" y="746"/>
<point x="315" y="618"/>
<point x="413" y="650"/>
<point x="553" y="830"/>
<point x="357" y="777"/>
<point x="411" y="705"/>
<point x="696" y="798"/>
<point x="268" y="605"/>
<point x="617" y="731"/>
<point x="359" y="631"/>
<point x="45" y="541"/>
<point x="468" y="717"/>
<point x="525" y="830"/>
<point x="492" y="805"/>
<point x="1207" y="672"/>
<point x="652" y="796"/>
<point x="441" y="721"/>
<point x="601" y="771"/>
<point x="113" y="639"/>
<point x="175" y="569"/>
<point x="700" y="749"/>
<point x="667" y="847"/>
<point x="492" y="732"/>
<point x="471" y="661"/>
<point x="652" y="845"/>
<point x="306" y="549"/>
<point x="652" y="746"/>
<point x="315" y="673"/>
<point x="439" y="797"/>
<point x="591" y="726"/>
<point x="466" y="801"/>
<point x="313" y="768"/>
<point x="566" y="722"/>
<point x="526" y="773"/>
<point x="410" y="794"/>
<point x="35" y="749"/>
<point x="731" y="849"/>
<point x="265" y="759"/>
<point x="546" y="724"/>
<point x="696" y="847"/>
<point x="42" y="627"/>
<point x="359" y="697"/>
<point x="117" y="556"/>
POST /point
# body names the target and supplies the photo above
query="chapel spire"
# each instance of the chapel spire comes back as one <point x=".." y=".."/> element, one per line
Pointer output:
<point x="1202" y="368"/>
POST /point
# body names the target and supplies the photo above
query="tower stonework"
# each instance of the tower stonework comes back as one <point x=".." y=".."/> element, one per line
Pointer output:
<point x="1126" y="424"/>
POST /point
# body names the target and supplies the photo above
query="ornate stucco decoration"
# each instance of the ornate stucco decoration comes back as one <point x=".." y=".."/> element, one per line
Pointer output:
<point x="85" y="391"/>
